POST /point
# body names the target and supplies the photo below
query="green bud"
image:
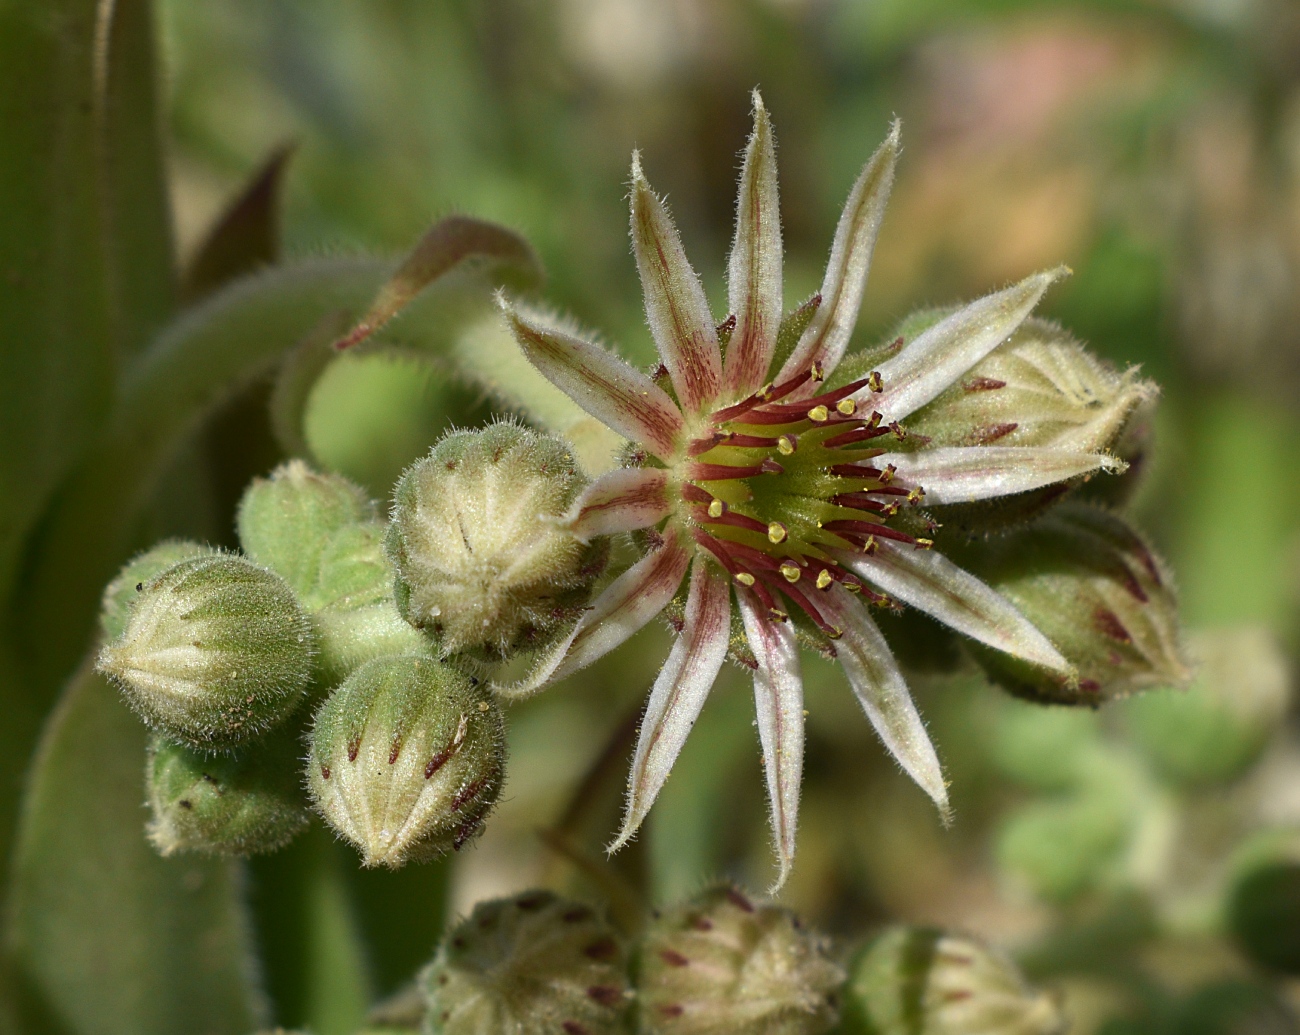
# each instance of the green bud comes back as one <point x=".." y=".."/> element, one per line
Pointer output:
<point x="406" y="759"/>
<point x="482" y="561"/>
<point x="120" y="594"/>
<point x="1214" y="731"/>
<point x="1099" y="593"/>
<point x="352" y="605"/>
<point x="917" y="981"/>
<point x="1048" y="749"/>
<point x="216" y="651"/>
<point x="237" y="804"/>
<point x="534" y="964"/>
<point x="286" y="519"/>
<point x="1062" y="847"/>
<point x="1264" y="915"/>
<point x="1234" y="1008"/>
<point x="723" y="964"/>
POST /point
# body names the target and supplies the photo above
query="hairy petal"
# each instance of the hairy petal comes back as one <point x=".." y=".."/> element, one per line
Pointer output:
<point x="940" y="355"/>
<point x="675" y="304"/>
<point x="600" y="382"/>
<point x="778" y="706"/>
<point x="930" y="582"/>
<point x="754" y="268"/>
<point x="962" y="474"/>
<point x="827" y="336"/>
<point x="679" y="692"/>
<point x="882" y="692"/>
<point x="620" y="501"/>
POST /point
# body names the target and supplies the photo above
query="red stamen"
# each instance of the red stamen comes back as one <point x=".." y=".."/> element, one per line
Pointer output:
<point x="799" y="597"/>
<point x="694" y="494"/>
<point x="735" y="521"/>
<point x="859" y="529"/>
<point x="800" y="409"/>
<point x="850" y="437"/>
<point x="760" y="398"/>
<point x="725" y="472"/>
<point x="703" y="445"/>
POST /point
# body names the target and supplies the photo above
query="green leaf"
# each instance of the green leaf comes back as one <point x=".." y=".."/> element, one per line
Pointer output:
<point x="111" y="936"/>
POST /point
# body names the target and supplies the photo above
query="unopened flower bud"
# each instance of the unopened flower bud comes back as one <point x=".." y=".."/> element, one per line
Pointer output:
<point x="482" y="560"/>
<point x="1263" y="913"/>
<point x="724" y="964"/>
<point x="237" y="804"/>
<point x="1099" y="593"/>
<point x="216" y="651"/>
<point x="534" y="964"/>
<point x="120" y="594"/>
<point x="917" y="981"/>
<point x="406" y="759"/>
<point x="286" y="519"/>
<point x="1215" y="730"/>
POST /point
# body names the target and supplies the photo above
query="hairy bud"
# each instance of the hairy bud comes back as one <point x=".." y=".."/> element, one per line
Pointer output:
<point x="286" y="520"/>
<point x="723" y="964"/>
<point x="216" y="651"/>
<point x="916" y="981"/>
<point x="534" y="964"/>
<point x="1216" y="730"/>
<point x="482" y="561"/>
<point x="406" y="759"/>
<point x="120" y="594"/>
<point x="237" y="804"/>
<point x="1099" y="593"/>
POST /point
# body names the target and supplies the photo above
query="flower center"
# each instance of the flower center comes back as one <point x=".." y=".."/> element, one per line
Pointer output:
<point x="774" y="491"/>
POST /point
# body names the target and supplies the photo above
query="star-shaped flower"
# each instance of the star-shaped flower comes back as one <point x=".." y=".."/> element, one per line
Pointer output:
<point x="761" y="476"/>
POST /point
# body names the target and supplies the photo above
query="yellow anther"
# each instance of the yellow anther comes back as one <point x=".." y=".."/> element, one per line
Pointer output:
<point x="891" y="509"/>
<point x="819" y="414"/>
<point x="874" y="382"/>
<point x="916" y="495"/>
<point x="817" y="373"/>
<point x="847" y="407"/>
<point x="870" y="546"/>
<point x="744" y="578"/>
<point x="924" y="544"/>
<point x="785" y="444"/>
<point x="835" y="632"/>
<point x="887" y="475"/>
<point x="776" y="532"/>
<point x="777" y="613"/>
<point x="874" y="420"/>
<point x="853" y="587"/>
<point x="717" y="508"/>
<point x="765" y="392"/>
<point x="791" y="571"/>
<point x="824" y="579"/>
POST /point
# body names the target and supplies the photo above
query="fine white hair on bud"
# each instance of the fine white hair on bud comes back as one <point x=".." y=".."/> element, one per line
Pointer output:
<point x="723" y="962"/>
<point x="532" y="964"/>
<point x="216" y="651"/>
<point x="919" y="980"/>
<point x="119" y="595"/>
<point x="484" y="562"/>
<point x="406" y="759"/>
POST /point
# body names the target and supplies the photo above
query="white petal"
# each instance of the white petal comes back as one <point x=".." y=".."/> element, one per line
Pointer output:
<point x="599" y="381"/>
<point x="636" y="497"/>
<point x="621" y="611"/>
<point x="754" y="268"/>
<point x="940" y="355"/>
<point x="828" y="335"/>
<point x="778" y="706"/>
<point x="961" y="474"/>
<point x="882" y="692"/>
<point x="680" y="691"/>
<point x="675" y="304"/>
<point x="931" y="583"/>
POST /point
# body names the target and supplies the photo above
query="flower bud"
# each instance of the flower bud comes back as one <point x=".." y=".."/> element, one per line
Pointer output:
<point x="482" y="561"/>
<point x="916" y="981"/>
<point x="1063" y="846"/>
<point x="286" y="519"/>
<point x="1099" y="593"/>
<point x="237" y="804"/>
<point x="1214" y="731"/>
<point x="723" y="964"/>
<point x="406" y="759"/>
<point x="534" y="964"/>
<point x="1264" y="914"/>
<point x="351" y="605"/>
<point x="216" y="651"/>
<point x="120" y="594"/>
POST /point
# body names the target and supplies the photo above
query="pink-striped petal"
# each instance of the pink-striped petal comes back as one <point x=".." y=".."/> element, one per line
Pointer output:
<point x="625" y="607"/>
<point x="941" y="354"/>
<point x="679" y="692"/>
<point x="962" y="474"/>
<point x="778" y="706"/>
<point x="754" y="268"/>
<point x="828" y="335"/>
<point x="599" y="381"/>
<point x="882" y="691"/>
<point x="620" y="501"/>
<point x="675" y="304"/>
<point x="931" y="583"/>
